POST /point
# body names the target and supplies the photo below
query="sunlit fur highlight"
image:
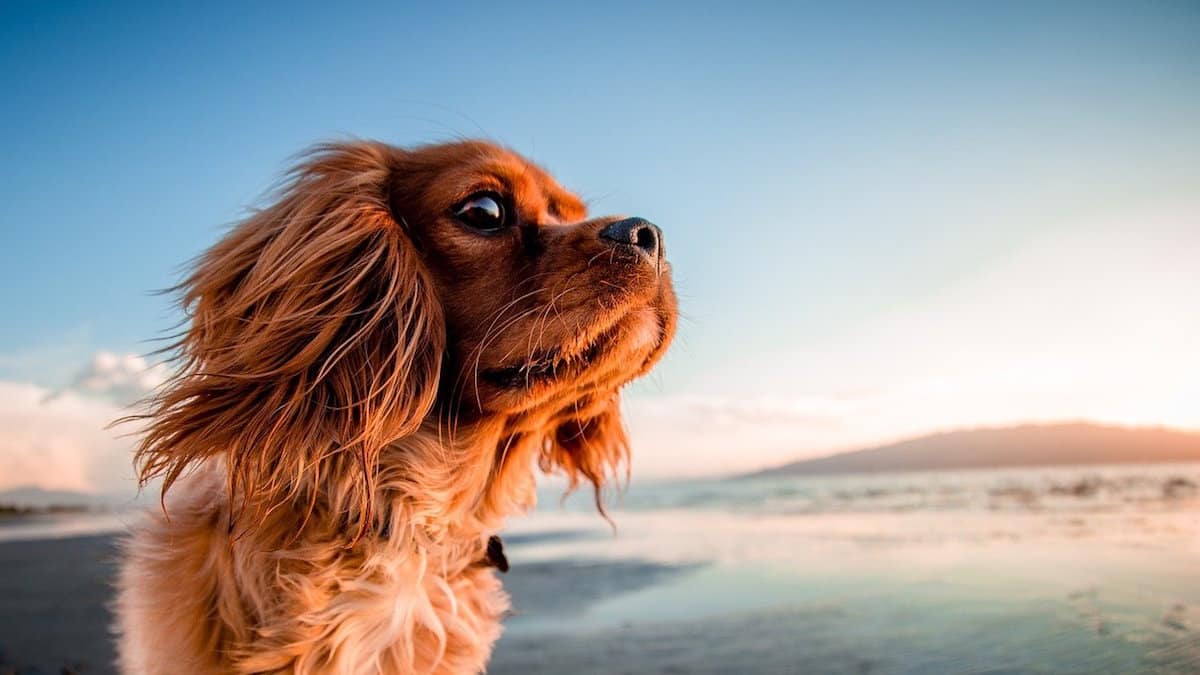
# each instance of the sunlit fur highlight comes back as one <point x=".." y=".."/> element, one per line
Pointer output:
<point x="326" y="503"/>
<point x="313" y="329"/>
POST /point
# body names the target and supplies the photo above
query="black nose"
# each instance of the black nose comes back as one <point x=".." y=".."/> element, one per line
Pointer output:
<point x="638" y="233"/>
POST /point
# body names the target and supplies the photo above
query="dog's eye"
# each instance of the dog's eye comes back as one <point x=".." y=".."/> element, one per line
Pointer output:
<point x="483" y="211"/>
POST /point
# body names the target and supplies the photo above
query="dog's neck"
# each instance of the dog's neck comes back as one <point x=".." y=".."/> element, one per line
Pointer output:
<point x="439" y="493"/>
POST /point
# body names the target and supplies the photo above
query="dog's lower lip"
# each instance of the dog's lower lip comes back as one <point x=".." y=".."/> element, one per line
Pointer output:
<point x="543" y="368"/>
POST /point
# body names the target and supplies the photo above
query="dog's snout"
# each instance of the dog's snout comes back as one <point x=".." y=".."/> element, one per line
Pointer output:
<point x="637" y="233"/>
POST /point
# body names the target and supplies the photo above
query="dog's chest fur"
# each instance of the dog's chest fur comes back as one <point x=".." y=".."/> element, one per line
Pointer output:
<point x="385" y="607"/>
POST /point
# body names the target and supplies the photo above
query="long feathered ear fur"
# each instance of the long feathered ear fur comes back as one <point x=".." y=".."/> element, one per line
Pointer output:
<point x="315" y="340"/>
<point x="591" y="446"/>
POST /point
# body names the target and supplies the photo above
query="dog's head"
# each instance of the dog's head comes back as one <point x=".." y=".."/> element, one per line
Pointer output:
<point x="387" y="288"/>
<point x="543" y="307"/>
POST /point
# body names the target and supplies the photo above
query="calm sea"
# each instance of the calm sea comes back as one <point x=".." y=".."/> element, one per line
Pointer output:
<point x="1059" y="570"/>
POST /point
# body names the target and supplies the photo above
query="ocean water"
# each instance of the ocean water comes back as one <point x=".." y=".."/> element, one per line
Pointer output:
<point x="1058" y="570"/>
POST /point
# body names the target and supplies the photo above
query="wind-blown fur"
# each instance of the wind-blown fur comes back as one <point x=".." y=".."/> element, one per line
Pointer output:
<point x="344" y="431"/>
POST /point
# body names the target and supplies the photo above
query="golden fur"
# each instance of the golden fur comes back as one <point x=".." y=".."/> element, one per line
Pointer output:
<point x="363" y="388"/>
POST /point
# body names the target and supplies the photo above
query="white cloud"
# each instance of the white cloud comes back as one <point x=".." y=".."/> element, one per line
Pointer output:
<point x="122" y="378"/>
<point x="61" y="438"/>
<point x="61" y="442"/>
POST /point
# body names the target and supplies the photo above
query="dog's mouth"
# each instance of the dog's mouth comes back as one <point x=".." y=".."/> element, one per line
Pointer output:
<point x="635" y="337"/>
<point x="547" y="366"/>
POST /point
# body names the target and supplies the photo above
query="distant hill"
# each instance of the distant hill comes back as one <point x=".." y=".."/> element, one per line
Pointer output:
<point x="36" y="498"/>
<point x="1026" y="445"/>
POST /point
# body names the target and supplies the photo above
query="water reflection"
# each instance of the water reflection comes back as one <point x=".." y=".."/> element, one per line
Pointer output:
<point x="1092" y="569"/>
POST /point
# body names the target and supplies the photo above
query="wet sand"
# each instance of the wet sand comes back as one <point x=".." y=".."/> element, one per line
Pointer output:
<point x="54" y="619"/>
<point x="1001" y="572"/>
<point x="55" y="595"/>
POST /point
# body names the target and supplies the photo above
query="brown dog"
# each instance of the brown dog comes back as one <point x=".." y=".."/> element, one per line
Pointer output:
<point x="372" y="367"/>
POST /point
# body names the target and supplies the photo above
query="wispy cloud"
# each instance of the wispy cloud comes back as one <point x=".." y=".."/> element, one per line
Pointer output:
<point x="121" y="378"/>
<point x="61" y="442"/>
<point x="61" y="438"/>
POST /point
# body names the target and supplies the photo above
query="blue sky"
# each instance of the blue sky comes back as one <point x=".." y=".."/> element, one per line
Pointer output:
<point x="842" y="188"/>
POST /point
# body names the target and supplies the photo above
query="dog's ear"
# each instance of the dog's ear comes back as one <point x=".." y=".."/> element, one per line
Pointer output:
<point x="590" y="445"/>
<point x="315" y="339"/>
